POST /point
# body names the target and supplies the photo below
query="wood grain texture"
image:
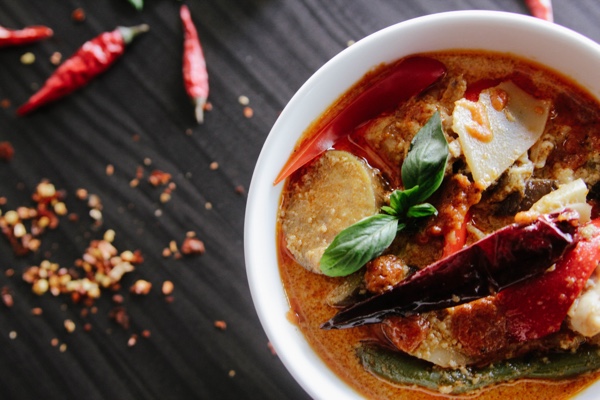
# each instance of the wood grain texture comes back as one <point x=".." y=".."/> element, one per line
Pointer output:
<point x="137" y="115"/>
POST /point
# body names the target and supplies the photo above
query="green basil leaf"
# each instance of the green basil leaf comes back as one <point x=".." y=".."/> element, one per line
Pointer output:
<point x="138" y="4"/>
<point x="421" y="210"/>
<point x="401" y="200"/>
<point x="426" y="160"/>
<point x="389" y="210"/>
<point x="358" y="244"/>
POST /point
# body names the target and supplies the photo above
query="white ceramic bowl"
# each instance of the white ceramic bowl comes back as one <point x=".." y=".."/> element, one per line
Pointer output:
<point x="554" y="46"/>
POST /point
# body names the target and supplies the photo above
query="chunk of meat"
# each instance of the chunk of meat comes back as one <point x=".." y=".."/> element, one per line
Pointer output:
<point x="479" y="327"/>
<point x="336" y="190"/>
<point x="384" y="272"/>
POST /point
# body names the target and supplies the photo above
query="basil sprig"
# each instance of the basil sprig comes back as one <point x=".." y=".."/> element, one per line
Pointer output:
<point x="422" y="174"/>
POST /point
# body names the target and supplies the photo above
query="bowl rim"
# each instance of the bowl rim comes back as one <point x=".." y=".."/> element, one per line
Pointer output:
<point x="266" y="289"/>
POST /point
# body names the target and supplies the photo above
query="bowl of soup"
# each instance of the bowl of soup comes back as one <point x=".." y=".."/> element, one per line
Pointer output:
<point x="423" y="217"/>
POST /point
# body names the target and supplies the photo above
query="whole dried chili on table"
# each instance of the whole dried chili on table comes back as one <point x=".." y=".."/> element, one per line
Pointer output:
<point x="93" y="58"/>
<point x="540" y="9"/>
<point x="195" y="75"/>
<point x="17" y="37"/>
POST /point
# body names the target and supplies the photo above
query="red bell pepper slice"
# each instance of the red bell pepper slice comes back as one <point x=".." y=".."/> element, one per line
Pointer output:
<point x="538" y="307"/>
<point x="456" y="243"/>
<point x="404" y="79"/>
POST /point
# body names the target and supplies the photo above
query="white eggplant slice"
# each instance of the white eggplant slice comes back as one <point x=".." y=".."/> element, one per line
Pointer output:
<point x="572" y="195"/>
<point x="337" y="190"/>
<point x="497" y="129"/>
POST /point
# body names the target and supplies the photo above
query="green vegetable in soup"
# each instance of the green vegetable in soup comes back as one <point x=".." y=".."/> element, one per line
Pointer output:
<point x="400" y="368"/>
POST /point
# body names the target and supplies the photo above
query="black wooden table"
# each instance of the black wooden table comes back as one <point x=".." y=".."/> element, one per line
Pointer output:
<point x="204" y="339"/>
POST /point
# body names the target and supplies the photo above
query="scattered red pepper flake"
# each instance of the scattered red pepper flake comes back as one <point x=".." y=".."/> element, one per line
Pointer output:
<point x="146" y="333"/>
<point x="55" y="58"/>
<point x="248" y="112"/>
<point x="78" y="15"/>
<point x="239" y="189"/>
<point x="167" y="288"/>
<point x="132" y="340"/>
<point x="6" y="151"/>
<point x="120" y="316"/>
<point x="158" y="177"/>
<point x="222" y="325"/>
<point x="93" y="57"/>
<point x="195" y="74"/>
<point x="214" y="166"/>
<point x="141" y="287"/>
<point x="5" y="103"/>
<point x="37" y="311"/>
<point x="192" y="245"/>
<point x="7" y="297"/>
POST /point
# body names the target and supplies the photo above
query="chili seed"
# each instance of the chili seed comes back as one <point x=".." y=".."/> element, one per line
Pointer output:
<point x="167" y="288"/>
<point x="28" y="58"/>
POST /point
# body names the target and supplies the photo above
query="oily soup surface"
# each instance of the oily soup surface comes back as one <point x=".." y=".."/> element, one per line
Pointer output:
<point x="307" y="291"/>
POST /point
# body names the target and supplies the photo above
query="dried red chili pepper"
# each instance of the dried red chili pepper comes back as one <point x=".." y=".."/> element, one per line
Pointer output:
<point x="195" y="75"/>
<point x="540" y="9"/>
<point x="505" y="258"/>
<point x="17" y="37"/>
<point x="93" y="58"/>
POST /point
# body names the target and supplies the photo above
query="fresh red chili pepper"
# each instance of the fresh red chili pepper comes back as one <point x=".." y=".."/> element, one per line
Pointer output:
<point x="538" y="307"/>
<point x="17" y="37"/>
<point x="506" y="257"/>
<point x="541" y="9"/>
<point x="458" y="239"/>
<point x="93" y="58"/>
<point x="195" y="74"/>
<point x="401" y="81"/>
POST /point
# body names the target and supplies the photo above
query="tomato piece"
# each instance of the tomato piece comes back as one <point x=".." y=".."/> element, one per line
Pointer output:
<point x="538" y="307"/>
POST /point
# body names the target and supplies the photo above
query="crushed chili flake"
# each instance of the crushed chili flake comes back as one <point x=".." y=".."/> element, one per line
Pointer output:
<point x="146" y="333"/>
<point x="37" y="311"/>
<point x="192" y="245"/>
<point x="110" y="170"/>
<point x="132" y="340"/>
<point x="6" y="151"/>
<point x="248" y="112"/>
<point x="167" y="288"/>
<point x="141" y="287"/>
<point x="55" y="58"/>
<point x="214" y="165"/>
<point x="222" y="325"/>
<point x="120" y="316"/>
<point x="239" y="189"/>
<point x="87" y="327"/>
<point x="5" y="103"/>
<point x="7" y="297"/>
<point x="243" y="100"/>
<point x="78" y="15"/>
<point x="158" y="178"/>
<point x="69" y="325"/>
<point x="54" y="342"/>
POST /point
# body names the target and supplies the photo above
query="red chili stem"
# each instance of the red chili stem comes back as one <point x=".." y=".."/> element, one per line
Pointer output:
<point x="195" y="74"/>
<point x="89" y="61"/>
<point x="403" y="80"/>
<point x="18" y="37"/>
